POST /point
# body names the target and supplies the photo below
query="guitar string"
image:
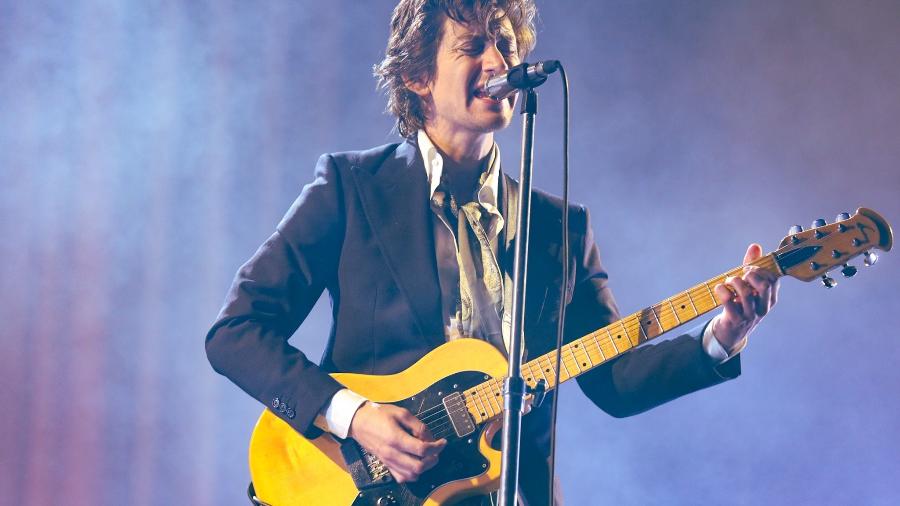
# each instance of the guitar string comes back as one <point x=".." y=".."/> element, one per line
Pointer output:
<point x="439" y="423"/>
<point x="661" y="312"/>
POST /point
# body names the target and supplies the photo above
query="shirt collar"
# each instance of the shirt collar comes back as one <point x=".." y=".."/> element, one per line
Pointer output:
<point x="434" y="169"/>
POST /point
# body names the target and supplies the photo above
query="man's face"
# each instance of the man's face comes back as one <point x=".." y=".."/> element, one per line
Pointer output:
<point x="465" y="60"/>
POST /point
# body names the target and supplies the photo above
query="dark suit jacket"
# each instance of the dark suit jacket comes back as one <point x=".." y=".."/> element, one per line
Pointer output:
<point x="362" y="230"/>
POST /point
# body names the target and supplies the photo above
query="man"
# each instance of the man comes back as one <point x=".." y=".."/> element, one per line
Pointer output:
<point x="413" y="243"/>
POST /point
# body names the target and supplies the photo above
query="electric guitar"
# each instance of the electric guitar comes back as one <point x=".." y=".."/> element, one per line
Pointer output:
<point x="456" y="389"/>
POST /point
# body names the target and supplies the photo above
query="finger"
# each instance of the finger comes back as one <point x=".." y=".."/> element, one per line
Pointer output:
<point x="726" y="298"/>
<point x="754" y="251"/>
<point x="409" y="466"/>
<point x="403" y="466"/>
<point x="429" y="462"/>
<point x="746" y="298"/>
<point x="413" y="424"/>
<point x="763" y="288"/>
<point x="526" y="403"/>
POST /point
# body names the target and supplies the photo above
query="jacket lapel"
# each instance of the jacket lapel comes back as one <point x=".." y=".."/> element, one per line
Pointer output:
<point x="538" y="263"/>
<point x="394" y="197"/>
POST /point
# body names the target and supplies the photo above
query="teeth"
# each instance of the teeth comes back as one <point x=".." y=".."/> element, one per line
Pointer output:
<point x="479" y="93"/>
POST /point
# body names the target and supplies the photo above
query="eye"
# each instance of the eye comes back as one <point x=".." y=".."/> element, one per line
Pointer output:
<point x="474" y="47"/>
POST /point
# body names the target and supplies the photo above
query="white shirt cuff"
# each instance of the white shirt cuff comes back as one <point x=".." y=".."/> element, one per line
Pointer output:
<point x="340" y="411"/>
<point x="714" y="348"/>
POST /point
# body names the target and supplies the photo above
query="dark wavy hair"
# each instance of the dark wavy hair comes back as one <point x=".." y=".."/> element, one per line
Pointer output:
<point x="416" y="31"/>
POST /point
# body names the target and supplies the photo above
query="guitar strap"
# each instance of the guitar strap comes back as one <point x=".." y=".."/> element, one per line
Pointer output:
<point x="509" y="209"/>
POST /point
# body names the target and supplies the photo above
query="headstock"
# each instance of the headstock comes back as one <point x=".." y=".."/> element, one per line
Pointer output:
<point x="807" y="255"/>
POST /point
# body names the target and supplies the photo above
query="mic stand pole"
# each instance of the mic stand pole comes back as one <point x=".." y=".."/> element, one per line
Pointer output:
<point x="514" y="386"/>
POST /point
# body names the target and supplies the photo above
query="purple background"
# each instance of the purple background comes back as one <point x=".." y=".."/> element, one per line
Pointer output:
<point x="147" y="149"/>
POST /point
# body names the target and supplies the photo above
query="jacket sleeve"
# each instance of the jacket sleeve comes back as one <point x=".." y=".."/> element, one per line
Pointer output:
<point x="646" y="376"/>
<point x="270" y="297"/>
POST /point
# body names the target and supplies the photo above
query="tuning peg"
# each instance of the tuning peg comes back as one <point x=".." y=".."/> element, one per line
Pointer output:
<point x="842" y="217"/>
<point x="795" y="229"/>
<point x="828" y="281"/>
<point x="819" y="223"/>
<point x="869" y="258"/>
<point x="848" y="271"/>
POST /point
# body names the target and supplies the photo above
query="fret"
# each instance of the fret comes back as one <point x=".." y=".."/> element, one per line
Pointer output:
<point x="691" y="300"/>
<point x="712" y="296"/>
<point x="674" y="311"/>
<point x="551" y="368"/>
<point x="472" y="406"/>
<point x="656" y="318"/>
<point x="487" y="400"/>
<point x="659" y="326"/>
<point x="615" y="347"/>
<point x="565" y="370"/>
<point x="479" y="404"/>
<point x="641" y="329"/>
<point x="608" y="333"/>
<point x="628" y="336"/>
<point x="541" y="369"/>
<point x="535" y="376"/>
<point x="494" y="395"/>
<point x="572" y="351"/>
<point x="599" y="348"/>
<point x="590" y="363"/>
<point x="607" y="346"/>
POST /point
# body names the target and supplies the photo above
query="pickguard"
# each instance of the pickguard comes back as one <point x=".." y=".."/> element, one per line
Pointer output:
<point x="459" y="460"/>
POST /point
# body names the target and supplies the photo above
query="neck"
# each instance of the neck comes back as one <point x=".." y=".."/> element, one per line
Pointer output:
<point x="464" y="155"/>
<point x="464" y="150"/>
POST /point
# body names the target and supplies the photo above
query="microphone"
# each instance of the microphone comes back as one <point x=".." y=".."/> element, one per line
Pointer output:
<point x="520" y="77"/>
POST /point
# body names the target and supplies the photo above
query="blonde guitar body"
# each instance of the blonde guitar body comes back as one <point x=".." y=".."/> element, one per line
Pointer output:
<point x="288" y="469"/>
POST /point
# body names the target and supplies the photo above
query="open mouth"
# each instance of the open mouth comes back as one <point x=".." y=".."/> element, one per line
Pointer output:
<point x="479" y="92"/>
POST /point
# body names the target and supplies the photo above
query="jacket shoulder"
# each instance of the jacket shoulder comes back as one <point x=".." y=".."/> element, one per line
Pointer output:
<point x="547" y="211"/>
<point x="368" y="159"/>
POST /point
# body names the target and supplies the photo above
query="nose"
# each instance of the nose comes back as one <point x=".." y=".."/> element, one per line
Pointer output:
<point x="493" y="61"/>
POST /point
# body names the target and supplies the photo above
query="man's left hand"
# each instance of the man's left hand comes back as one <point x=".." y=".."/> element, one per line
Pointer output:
<point x="746" y="300"/>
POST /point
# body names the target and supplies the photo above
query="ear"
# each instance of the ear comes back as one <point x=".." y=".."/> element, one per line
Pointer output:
<point x="417" y="86"/>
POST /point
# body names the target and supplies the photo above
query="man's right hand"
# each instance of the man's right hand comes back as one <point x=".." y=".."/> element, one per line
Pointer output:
<point x="402" y="442"/>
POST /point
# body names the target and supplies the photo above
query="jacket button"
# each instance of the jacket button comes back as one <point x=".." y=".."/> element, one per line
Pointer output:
<point x="276" y="402"/>
<point x="290" y="413"/>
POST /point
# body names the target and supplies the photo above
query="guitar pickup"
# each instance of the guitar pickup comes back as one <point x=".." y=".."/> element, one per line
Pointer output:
<point x="459" y="415"/>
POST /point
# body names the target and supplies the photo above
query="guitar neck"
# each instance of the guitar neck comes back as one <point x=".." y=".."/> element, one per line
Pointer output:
<point x="485" y="401"/>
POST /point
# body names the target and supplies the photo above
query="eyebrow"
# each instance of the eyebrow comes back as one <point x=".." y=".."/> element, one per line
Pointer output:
<point x="506" y="36"/>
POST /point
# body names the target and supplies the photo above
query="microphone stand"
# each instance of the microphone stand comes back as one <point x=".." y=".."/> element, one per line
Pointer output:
<point x="514" y="386"/>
